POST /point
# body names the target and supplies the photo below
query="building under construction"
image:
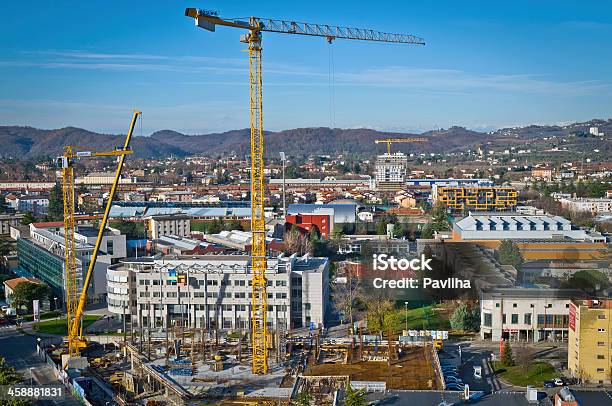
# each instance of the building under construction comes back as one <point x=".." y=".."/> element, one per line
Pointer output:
<point x="189" y="366"/>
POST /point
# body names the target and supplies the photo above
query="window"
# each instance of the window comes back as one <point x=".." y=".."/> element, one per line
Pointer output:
<point x="212" y="295"/>
<point x="601" y="330"/>
<point x="496" y="304"/>
<point x="600" y="370"/>
<point x="514" y="319"/>
<point x="281" y="283"/>
<point x="601" y="316"/>
<point x="540" y="319"/>
<point x="600" y="343"/>
<point x="170" y="294"/>
<point x="307" y="306"/>
<point x="503" y="318"/>
<point x="514" y="305"/>
<point x="109" y="247"/>
<point x="239" y="282"/>
<point x="226" y="308"/>
<point x="527" y="319"/>
<point x="281" y="295"/>
<point x="488" y="319"/>
<point x="212" y="282"/>
<point x="240" y="295"/>
<point x="600" y="356"/>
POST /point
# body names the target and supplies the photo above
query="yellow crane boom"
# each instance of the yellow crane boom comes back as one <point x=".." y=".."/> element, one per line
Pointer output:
<point x="74" y="308"/>
<point x="390" y="141"/>
<point x="255" y="26"/>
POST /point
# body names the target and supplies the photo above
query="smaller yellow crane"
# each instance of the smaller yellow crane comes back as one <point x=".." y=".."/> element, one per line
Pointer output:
<point x="74" y="308"/>
<point x="390" y="141"/>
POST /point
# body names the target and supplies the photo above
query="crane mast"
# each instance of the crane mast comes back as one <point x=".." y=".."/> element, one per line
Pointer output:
<point x="76" y="305"/>
<point x="255" y="26"/>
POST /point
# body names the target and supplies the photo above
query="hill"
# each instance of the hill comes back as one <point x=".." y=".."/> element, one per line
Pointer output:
<point x="29" y="142"/>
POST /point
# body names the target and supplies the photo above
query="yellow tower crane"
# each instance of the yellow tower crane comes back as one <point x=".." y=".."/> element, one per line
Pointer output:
<point x="75" y="305"/>
<point x="390" y="141"/>
<point x="256" y="26"/>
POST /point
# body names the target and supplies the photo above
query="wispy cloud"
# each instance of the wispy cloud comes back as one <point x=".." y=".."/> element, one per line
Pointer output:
<point x="448" y="80"/>
<point x="421" y="80"/>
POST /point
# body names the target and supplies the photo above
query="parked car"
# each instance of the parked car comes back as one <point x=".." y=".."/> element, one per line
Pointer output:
<point x="455" y="386"/>
<point x="549" y="384"/>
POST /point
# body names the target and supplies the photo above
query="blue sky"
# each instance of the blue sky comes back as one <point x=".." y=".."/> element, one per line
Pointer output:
<point x="486" y="65"/>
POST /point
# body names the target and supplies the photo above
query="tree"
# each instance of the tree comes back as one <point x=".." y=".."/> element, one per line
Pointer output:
<point x="466" y="318"/>
<point x="28" y="218"/>
<point x="55" y="211"/>
<point x="296" y="242"/>
<point x="509" y="254"/>
<point x="25" y="292"/>
<point x="438" y="222"/>
<point x="345" y="295"/>
<point x="354" y="397"/>
<point x="524" y="357"/>
<point x="304" y="398"/>
<point x="507" y="358"/>
<point x="130" y="229"/>
<point x="337" y="234"/>
<point x="10" y="376"/>
<point x="3" y="207"/>
<point x="379" y="314"/>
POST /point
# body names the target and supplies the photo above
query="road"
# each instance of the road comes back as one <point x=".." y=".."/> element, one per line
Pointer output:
<point x="19" y="350"/>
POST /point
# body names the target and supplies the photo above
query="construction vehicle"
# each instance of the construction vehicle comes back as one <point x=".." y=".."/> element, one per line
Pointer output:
<point x="76" y="305"/>
<point x="256" y="26"/>
<point x="390" y="141"/>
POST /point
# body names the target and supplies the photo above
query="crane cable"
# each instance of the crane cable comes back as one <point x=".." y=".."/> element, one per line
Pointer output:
<point x="331" y="85"/>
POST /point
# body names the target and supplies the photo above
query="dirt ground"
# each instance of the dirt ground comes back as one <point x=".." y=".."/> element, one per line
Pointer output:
<point x="413" y="371"/>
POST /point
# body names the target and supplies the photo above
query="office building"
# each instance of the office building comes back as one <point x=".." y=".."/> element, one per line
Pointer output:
<point x="41" y="255"/>
<point x="391" y="171"/>
<point x="214" y="291"/>
<point x="589" y="352"/>
<point x="527" y="315"/>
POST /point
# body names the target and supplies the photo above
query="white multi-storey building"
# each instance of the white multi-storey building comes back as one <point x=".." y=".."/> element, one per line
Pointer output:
<point x="517" y="314"/>
<point x="215" y="291"/>
<point x="391" y="171"/>
<point x="176" y="225"/>
<point x="595" y="206"/>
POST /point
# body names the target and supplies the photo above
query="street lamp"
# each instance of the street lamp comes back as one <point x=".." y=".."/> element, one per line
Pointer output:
<point x="284" y="159"/>
<point x="406" y="305"/>
<point x="31" y="376"/>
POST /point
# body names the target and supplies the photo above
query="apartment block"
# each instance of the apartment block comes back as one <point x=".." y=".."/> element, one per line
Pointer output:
<point x="595" y="206"/>
<point x="175" y="225"/>
<point x="490" y="198"/>
<point x="589" y="354"/>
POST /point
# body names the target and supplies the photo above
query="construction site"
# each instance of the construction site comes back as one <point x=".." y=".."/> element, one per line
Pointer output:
<point x="193" y="366"/>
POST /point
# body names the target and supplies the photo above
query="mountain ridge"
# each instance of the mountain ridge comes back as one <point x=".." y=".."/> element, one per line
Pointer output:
<point x="29" y="142"/>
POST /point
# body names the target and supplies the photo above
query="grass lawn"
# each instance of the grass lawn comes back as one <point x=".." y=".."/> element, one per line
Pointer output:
<point x="428" y="318"/>
<point x="534" y="375"/>
<point x="59" y="327"/>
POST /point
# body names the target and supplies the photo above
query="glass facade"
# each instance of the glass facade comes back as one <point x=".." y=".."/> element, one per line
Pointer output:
<point x="43" y="265"/>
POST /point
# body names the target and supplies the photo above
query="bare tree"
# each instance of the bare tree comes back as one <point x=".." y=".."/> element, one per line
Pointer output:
<point x="296" y="242"/>
<point x="523" y="357"/>
<point x="345" y="295"/>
